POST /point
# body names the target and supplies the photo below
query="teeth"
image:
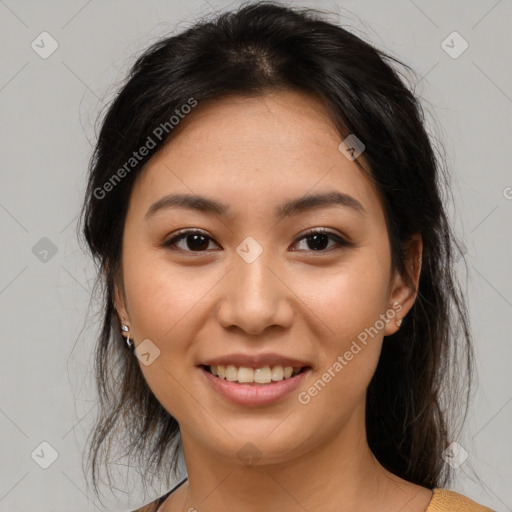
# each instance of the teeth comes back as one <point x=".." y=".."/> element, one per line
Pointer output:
<point x="277" y="373"/>
<point x="262" y="375"/>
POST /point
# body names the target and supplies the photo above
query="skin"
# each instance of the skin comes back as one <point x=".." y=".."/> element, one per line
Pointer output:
<point x="253" y="154"/>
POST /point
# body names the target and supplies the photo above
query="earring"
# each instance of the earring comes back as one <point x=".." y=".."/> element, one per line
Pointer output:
<point x="399" y="322"/>
<point x="129" y="343"/>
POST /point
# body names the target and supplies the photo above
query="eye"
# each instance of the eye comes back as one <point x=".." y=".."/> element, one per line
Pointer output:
<point x="197" y="241"/>
<point x="318" y="237"/>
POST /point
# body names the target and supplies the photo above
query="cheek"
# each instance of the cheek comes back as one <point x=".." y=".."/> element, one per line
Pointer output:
<point x="162" y="296"/>
<point x="164" y="303"/>
<point x="348" y="305"/>
<point x="349" y="298"/>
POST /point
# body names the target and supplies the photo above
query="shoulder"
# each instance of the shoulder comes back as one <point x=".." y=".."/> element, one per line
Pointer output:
<point x="154" y="505"/>
<point x="444" y="500"/>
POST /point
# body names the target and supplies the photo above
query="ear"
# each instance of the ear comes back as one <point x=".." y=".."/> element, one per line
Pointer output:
<point x="120" y="303"/>
<point x="402" y="297"/>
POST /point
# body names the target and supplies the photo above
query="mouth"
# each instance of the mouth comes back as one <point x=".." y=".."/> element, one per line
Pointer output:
<point x="258" y="386"/>
<point x="257" y="376"/>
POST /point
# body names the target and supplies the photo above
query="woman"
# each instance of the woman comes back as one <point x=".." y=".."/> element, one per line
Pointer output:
<point x="265" y="206"/>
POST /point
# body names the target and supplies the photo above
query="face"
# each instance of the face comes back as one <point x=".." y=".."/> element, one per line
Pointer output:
<point x="243" y="278"/>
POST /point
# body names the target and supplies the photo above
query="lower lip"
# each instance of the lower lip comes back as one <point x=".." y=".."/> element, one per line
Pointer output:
<point x="255" y="394"/>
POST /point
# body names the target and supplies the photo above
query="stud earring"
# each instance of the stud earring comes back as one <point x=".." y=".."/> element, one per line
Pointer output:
<point x="399" y="322"/>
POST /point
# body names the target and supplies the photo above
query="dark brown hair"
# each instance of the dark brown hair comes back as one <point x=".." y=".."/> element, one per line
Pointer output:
<point x="425" y="368"/>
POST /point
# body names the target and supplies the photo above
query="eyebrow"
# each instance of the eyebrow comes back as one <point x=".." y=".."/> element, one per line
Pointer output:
<point x="290" y="207"/>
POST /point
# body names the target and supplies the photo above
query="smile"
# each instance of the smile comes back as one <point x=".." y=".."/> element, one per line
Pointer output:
<point x="262" y="375"/>
<point x="245" y="390"/>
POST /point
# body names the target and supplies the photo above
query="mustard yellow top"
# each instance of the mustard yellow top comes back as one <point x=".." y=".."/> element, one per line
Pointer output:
<point x="443" y="500"/>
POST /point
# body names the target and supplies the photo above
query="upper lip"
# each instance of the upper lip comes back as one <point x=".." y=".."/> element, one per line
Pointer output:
<point x="256" y="361"/>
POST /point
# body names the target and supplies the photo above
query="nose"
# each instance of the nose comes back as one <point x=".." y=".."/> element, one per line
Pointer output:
<point x="254" y="296"/>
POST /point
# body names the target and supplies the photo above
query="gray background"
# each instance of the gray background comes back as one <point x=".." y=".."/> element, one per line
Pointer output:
<point x="48" y="113"/>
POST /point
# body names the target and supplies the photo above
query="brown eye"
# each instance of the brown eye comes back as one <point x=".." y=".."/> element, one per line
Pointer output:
<point x="318" y="240"/>
<point x="194" y="241"/>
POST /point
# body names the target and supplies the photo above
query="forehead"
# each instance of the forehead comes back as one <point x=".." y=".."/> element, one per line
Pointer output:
<point x="256" y="149"/>
<point x="238" y="127"/>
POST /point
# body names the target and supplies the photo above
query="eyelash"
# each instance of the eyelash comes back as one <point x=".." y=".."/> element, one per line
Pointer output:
<point x="182" y="234"/>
